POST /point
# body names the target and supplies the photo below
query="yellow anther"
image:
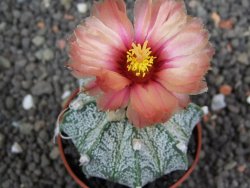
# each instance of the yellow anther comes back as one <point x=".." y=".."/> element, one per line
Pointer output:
<point x="139" y="59"/>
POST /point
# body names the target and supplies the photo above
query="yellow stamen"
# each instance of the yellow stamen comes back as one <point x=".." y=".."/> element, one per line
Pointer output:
<point x="139" y="59"/>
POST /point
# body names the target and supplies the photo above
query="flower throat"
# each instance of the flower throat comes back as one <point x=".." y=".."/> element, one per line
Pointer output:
<point x="139" y="59"/>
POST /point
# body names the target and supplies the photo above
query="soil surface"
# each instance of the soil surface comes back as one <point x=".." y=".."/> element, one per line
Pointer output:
<point x="34" y="82"/>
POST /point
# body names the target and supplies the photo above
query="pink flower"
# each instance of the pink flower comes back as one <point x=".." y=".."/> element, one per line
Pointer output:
<point x="149" y="67"/>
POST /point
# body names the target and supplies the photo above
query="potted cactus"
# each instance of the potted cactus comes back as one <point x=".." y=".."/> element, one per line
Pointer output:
<point x="132" y="119"/>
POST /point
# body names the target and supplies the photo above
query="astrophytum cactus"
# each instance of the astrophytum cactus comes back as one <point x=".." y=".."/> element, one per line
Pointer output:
<point x="113" y="149"/>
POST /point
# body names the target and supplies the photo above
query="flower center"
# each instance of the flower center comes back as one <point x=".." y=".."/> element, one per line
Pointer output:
<point x="139" y="59"/>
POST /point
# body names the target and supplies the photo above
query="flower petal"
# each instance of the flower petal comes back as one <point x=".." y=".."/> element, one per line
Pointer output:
<point x="111" y="81"/>
<point x="94" y="46"/>
<point x="185" y="70"/>
<point x="157" y="19"/>
<point x="150" y="104"/>
<point x="114" y="100"/>
<point x="199" y="60"/>
<point x="82" y="71"/>
<point x="183" y="99"/>
<point x="142" y="19"/>
<point x="194" y="88"/>
<point x="168" y="18"/>
<point x="191" y="39"/>
<point x="92" y="88"/>
<point x="113" y="14"/>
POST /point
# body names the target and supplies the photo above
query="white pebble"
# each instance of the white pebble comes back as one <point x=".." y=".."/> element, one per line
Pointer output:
<point x="15" y="124"/>
<point x="16" y="148"/>
<point x="82" y="7"/>
<point x="84" y="160"/>
<point x="66" y="94"/>
<point x="46" y="3"/>
<point x="218" y="102"/>
<point x="205" y="110"/>
<point x="137" y="144"/>
<point x="248" y="99"/>
<point x="28" y="102"/>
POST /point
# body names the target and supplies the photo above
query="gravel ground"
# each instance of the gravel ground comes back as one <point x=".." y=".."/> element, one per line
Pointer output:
<point x="33" y="83"/>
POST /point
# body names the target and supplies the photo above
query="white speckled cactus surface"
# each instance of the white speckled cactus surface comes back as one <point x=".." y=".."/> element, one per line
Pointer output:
<point x="119" y="152"/>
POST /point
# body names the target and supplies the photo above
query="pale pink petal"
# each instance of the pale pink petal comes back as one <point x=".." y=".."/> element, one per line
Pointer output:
<point x="191" y="39"/>
<point x="168" y="18"/>
<point x="111" y="81"/>
<point x="97" y="29"/>
<point x="199" y="60"/>
<point x="194" y="88"/>
<point x="113" y="14"/>
<point x="142" y="19"/>
<point x="114" y="100"/>
<point x="137" y="119"/>
<point x="91" y="58"/>
<point x="82" y="71"/>
<point x="185" y="70"/>
<point x="92" y="88"/>
<point x="150" y="104"/>
<point x="185" y="74"/>
<point x="158" y="20"/>
<point x="179" y="77"/>
<point x="94" y="46"/>
<point x="183" y="99"/>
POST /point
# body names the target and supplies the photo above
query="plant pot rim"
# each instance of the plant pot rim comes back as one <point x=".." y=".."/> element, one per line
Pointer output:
<point x="175" y="185"/>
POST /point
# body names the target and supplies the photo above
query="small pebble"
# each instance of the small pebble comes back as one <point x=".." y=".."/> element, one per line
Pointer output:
<point x="242" y="168"/>
<point x="54" y="154"/>
<point x="82" y="7"/>
<point x="45" y="54"/>
<point x="39" y="125"/>
<point x="243" y="58"/>
<point x="205" y="110"/>
<point x="28" y="102"/>
<point x="248" y="99"/>
<point x="226" y="24"/>
<point x="218" y="102"/>
<point x="48" y="54"/>
<point x="41" y="25"/>
<point x="2" y="139"/>
<point x="16" y="148"/>
<point x="46" y="3"/>
<point x="41" y="88"/>
<point x="2" y="26"/>
<point x="26" y="128"/>
<point x="15" y="124"/>
<point x="230" y="165"/>
<point x="226" y="90"/>
<point x="65" y="95"/>
<point x="61" y="44"/>
<point x="4" y="63"/>
<point x="38" y="40"/>
<point x="9" y="102"/>
<point x="66" y="3"/>
<point x="44" y="161"/>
